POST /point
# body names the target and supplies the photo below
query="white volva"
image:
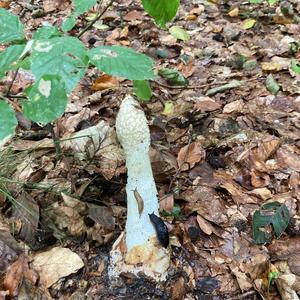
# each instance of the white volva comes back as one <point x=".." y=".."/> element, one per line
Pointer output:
<point x="134" y="136"/>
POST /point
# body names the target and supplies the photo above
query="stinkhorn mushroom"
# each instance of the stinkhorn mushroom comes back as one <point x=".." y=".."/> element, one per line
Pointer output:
<point x="141" y="250"/>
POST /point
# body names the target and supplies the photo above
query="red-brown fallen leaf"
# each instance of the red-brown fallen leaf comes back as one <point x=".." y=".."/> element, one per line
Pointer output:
<point x="259" y="179"/>
<point x="188" y="69"/>
<point x="14" y="276"/>
<point x="5" y="3"/>
<point x="105" y="82"/>
<point x="206" y="104"/>
<point x="134" y="15"/>
<point x="190" y="155"/>
<point x="177" y="291"/>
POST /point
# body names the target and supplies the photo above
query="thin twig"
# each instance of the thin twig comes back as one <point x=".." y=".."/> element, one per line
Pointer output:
<point x="96" y="19"/>
<point x="180" y="167"/>
<point x="242" y="296"/>
<point x="12" y="82"/>
<point x="201" y="86"/>
<point x="56" y="140"/>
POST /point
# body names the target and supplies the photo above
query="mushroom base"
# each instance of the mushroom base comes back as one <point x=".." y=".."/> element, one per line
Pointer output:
<point x="150" y="259"/>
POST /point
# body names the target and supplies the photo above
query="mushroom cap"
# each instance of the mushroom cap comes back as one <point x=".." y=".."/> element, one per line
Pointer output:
<point x="132" y="127"/>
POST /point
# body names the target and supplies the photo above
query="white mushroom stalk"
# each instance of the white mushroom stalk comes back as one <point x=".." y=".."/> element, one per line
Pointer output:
<point x="141" y="244"/>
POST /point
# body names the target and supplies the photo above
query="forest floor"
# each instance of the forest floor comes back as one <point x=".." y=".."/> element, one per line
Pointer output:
<point x="222" y="146"/>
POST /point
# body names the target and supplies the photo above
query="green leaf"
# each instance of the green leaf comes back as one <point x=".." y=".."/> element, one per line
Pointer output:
<point x="173" y="77"/>
<point x="273" y="213"/>
<point x="250" y="65"/>
<point x="68" y="24"/>
<point x="8" y="120"/>
<point x="11" y="28"/>
<point x="162" y="11"/>
<point x="142" y="89"/>
<point x="249" y="23"/>
<point x="81" y="6"/>
<point x="255" y="1"/>
<point x="122" y="62"/>
<point x="272" y="85"/>
<point x="272" y="2"/>
<point x="9" y="58"/>
<point x="62" y="56"/>
<point x="169" y="108"/>
<point x="46" y="32"/>
<point x="295" y="66"/>
<point x="179" y="33"/>
<point x="47" y="100"/>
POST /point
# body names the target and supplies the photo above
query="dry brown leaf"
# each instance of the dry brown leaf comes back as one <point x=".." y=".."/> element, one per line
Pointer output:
<point x="166" y="203"/>
<point x="5" y="3"/>
<point x="14" y="276"/>
<point x="190" y="155"/>
<point x="105" y="81"/>
<point x="244" y="282"/>
<point x="287" y="282"/>
<point x="187" y="70"/>
<point x="177" y="291"/>
<point x="204" y="225"/>
<point x="288" y="158"/>
<point x="134" y="15"/>
<point x="233" y="106"/>
<point x="51" y="5"/>
<point x="9" y="248"/>
<point x="204" y="104"/>
<point x="55" y="264"/>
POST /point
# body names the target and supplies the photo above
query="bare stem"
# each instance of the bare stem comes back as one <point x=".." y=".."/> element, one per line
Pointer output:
<point x="12" y="82"/>
<point x="96" y="18"/>
<point x="55" y="139"/>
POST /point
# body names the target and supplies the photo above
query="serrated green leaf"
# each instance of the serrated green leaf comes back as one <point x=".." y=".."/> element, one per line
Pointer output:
<point x="162" y="11"/>
<point x="82" y="6"/>
<point x="8" y="120"/>
<point x="11" y="28"/>
<point x="68" y="24"/>
<point x="295" y="66"/>
<point x="62" y="56"/>
<point x="272" y="85"/>
<point x="249" y="23"/>
<point x="46" y="32"/>
<point x="275" y="214"/>
<point x="9" y="58"/>
<point x="173" y="77"/>
<point x="47" y="100"/>
<point x="179" y="33"/>
<point x="122" y="62"/>
<point x="142" y="89"/>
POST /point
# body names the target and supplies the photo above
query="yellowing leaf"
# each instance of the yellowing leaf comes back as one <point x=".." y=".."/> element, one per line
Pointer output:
<point x="248" y="23"/>
<point x="168" y="109"/>
<point x="271" y="67"/>
<point x="179" y="33"/>
<point x="234" y="12"/>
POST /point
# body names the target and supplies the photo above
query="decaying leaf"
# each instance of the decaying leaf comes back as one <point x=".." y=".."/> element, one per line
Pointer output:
<point x="56" y="263"/>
